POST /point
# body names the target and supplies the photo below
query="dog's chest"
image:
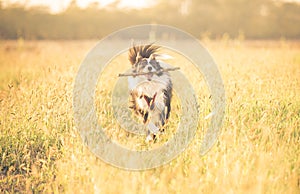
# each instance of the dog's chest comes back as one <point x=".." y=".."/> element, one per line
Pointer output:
<point x="141" y="88"/>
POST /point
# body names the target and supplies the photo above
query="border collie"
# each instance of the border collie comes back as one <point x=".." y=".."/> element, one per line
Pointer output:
<point x="150" y="89"/>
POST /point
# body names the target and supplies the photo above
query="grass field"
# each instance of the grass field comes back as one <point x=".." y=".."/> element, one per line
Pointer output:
<point x="258" y="149"/>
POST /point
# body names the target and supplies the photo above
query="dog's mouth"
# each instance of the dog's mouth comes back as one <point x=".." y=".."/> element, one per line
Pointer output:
<point x="149" y="76"/>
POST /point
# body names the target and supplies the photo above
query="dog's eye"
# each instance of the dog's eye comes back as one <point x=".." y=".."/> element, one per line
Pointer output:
<point x="155" y="64"/>
<point x="143" y="63"/>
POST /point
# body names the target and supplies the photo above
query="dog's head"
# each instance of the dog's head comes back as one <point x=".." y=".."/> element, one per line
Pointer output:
<point x="143" y="60"/>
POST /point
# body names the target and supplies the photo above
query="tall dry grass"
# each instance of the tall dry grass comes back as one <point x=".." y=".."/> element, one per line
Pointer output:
<point x="257" y="152"/>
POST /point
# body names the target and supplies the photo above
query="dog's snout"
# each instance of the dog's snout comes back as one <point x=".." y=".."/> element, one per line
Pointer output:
<point x="150" y="68"/>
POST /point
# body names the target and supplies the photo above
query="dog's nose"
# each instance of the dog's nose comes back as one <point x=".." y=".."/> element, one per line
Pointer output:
<point x="149" y="68"/>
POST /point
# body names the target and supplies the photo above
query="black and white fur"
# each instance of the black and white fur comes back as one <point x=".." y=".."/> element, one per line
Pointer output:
<point x="150" y="94"/>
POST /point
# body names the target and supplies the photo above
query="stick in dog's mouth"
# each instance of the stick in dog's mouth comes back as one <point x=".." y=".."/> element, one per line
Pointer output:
<point x="148" y="73"/>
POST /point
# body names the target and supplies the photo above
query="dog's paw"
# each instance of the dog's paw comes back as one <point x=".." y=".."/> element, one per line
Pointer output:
<point x="152" y="138"/>
<point x="149" y="138"/>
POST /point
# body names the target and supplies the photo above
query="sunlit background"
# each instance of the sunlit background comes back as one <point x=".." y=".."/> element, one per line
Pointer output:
<point x="56" y="6"/>
<point x="93" y="19"/>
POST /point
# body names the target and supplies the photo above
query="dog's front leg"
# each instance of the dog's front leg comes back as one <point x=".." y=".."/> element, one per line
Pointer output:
<point x="152" y="130"/>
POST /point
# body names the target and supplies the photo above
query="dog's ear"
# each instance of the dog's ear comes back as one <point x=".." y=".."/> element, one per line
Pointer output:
<point x="152" y="56"/>
<point x="138" y="58"/>
<point x="160" y="57"/>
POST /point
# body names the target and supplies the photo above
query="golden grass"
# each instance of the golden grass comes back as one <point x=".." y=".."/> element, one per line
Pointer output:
<point x="258" y="150"/>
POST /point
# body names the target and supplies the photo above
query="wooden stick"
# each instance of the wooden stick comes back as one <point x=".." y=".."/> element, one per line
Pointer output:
<point x="145" y="73"/>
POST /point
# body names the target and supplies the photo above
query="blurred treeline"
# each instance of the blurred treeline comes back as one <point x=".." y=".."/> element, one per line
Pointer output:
<point x="251" y="19"/>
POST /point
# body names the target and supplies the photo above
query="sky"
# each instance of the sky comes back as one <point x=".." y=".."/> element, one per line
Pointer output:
<point x="59" y="5"/>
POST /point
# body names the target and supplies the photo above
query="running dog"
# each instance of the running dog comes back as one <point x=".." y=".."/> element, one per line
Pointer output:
<point x="150" y="89"/>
